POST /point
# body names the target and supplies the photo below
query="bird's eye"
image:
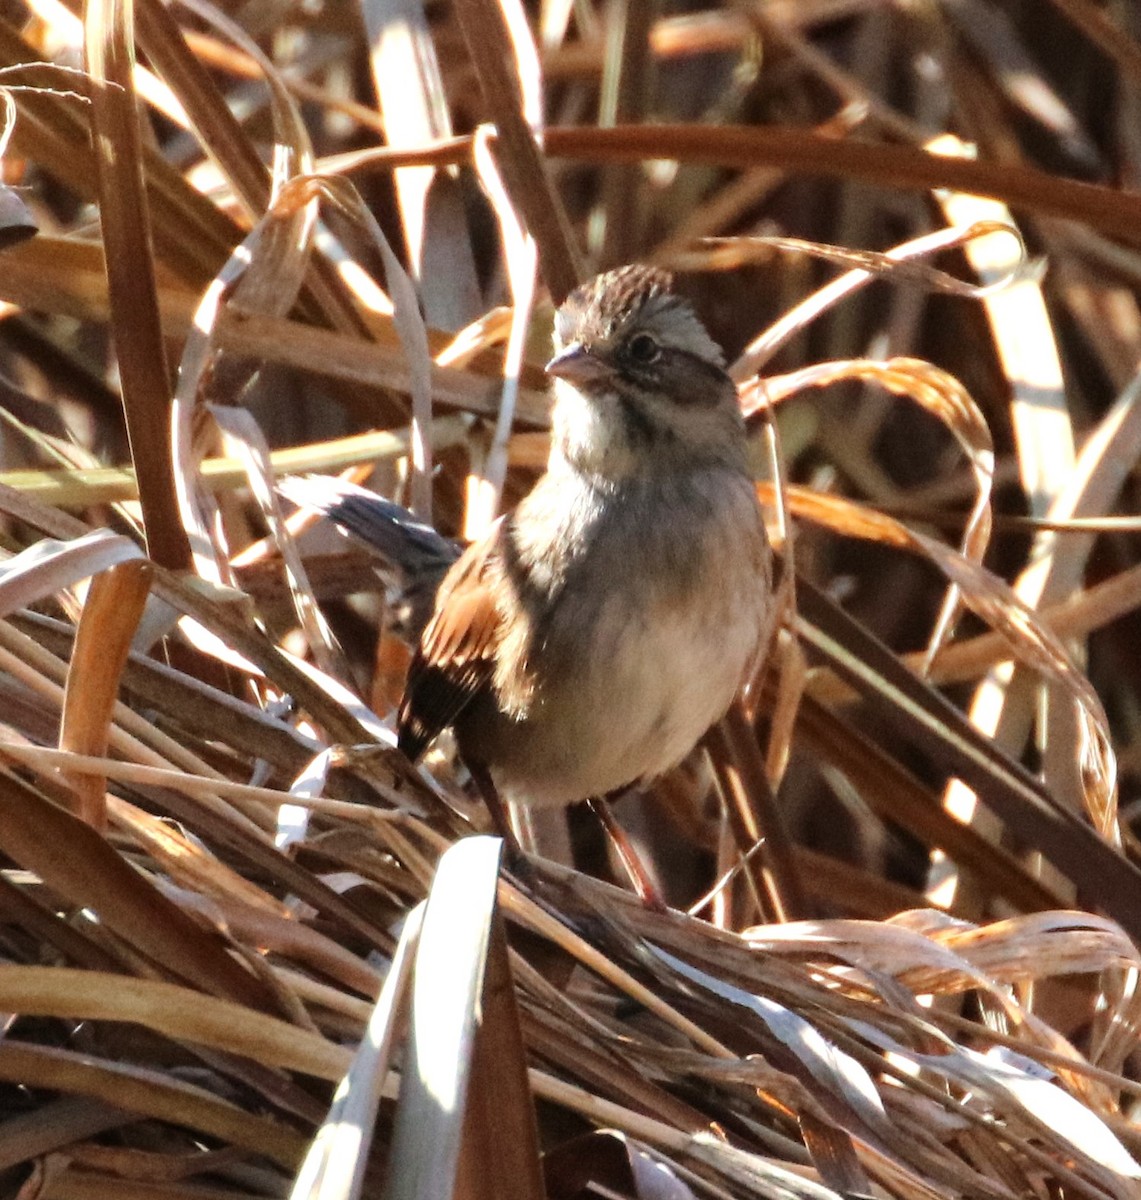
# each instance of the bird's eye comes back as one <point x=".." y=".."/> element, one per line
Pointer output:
<point x="643" y="349"/>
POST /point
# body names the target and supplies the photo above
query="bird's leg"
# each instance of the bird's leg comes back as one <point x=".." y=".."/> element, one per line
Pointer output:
<point x="643" y="885"/>
<point x="489" y="793"/>
<point x="635" y="870"/>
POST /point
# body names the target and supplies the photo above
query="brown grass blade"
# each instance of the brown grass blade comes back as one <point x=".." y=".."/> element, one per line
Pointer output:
<point x="58" y="1124"/>
<point x="896" y="794"/>
<point x="406" y="76"/>
<point x="59" y="275"/>
<point x="1028" y="638"/>
<point x="191" y="235"/>
<point x="489" y="44"/>
<point x="1075" y="849"/>
<point x="519" y="247"/>
<point x="85" y="487"/>
<point x="111" y="613"/>
<point x="347" y="358"/>
<point x="1111" y="210"/>
<point x="904" y="261"/>
<point x="754" y="816"/>
<point x="77" y="863"/>
<point x="125" y="221"/>
<point x="177" y="1012"/>
<point x="500" y="1154"/>
<point x="946" y="399"/>
<point x="609" y="1161"/>
<point x="147" y="1093"/>
<point x="624" y="97"/>
<point x="219" y="132"/>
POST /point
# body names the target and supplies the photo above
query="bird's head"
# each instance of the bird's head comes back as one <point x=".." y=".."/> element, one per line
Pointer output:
<point x="640" y="386"/>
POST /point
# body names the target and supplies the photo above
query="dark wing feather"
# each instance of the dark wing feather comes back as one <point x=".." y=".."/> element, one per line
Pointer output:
<point x="456" y="656"/>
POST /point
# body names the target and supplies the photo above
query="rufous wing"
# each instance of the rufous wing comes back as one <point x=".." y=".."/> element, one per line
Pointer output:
<point x="456" y="656"/>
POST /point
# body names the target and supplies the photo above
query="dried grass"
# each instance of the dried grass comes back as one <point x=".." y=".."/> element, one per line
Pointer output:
<point x="245" y="950"/>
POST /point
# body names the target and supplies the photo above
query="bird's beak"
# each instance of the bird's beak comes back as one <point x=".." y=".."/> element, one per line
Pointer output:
<point x="576" y="364"/>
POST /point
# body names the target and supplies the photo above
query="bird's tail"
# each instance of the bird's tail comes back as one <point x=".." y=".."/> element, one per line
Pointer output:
<point x="415" y="552"/>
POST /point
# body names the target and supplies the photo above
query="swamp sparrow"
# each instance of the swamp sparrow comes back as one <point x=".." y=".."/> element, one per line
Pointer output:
<point x="594" y="634"/>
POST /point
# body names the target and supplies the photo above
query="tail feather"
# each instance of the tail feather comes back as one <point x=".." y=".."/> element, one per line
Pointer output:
<point x="416" y="552"/>
<point x="382" y="525"/>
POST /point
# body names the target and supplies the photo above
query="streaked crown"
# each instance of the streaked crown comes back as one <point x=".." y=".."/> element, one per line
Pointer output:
<point x="600" y="311"/>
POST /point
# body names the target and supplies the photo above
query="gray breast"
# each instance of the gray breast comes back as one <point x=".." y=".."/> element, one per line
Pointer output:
<point x="642" y="637"/>
<point x="679" y="544"/>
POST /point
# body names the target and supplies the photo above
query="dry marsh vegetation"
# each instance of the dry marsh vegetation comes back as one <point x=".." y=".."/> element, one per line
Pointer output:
<point x="245" y="951"/>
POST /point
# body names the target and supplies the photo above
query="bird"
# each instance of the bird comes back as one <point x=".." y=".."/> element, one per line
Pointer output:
<point x="586" y="643"/>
